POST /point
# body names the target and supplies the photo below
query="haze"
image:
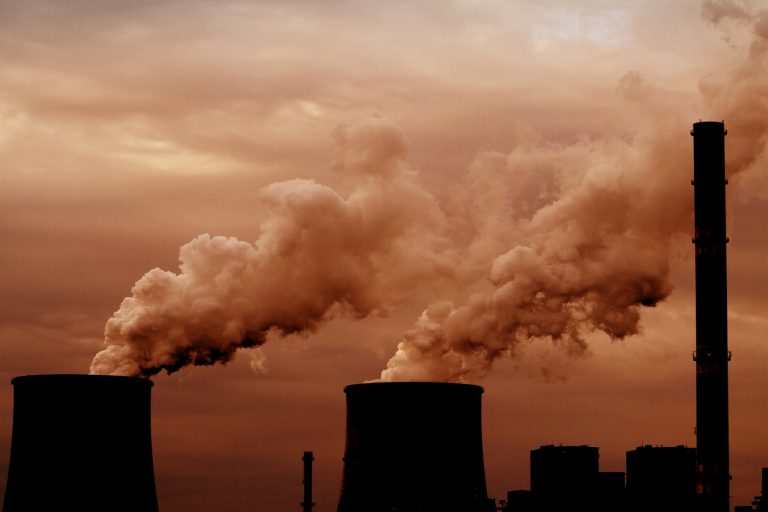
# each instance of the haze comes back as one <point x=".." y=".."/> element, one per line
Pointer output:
<point x="422" y="143"/>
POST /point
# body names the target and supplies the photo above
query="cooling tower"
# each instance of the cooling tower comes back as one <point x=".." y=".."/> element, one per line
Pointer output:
<point x="81" y="443"/>
<point x="414" y="446"/>
<point x="711" y="354"/>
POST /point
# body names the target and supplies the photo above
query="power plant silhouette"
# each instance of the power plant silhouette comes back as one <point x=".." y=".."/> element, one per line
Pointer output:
<point x="83" y="442"/>
<point x="711" y="355"/>
<point x="413" y="446"/>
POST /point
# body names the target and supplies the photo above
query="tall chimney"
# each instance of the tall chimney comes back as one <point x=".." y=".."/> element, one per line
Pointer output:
<point x="711" y="354"/>
<point x="81" y="442"/>
<point x="414" y="446"/>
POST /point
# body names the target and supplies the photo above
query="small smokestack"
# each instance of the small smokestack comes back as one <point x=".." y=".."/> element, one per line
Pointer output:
<point x="81" y="442"/>
<point x="307" y="504"/>
<point x="414" y="446"/>
<point x="711" y="354"/>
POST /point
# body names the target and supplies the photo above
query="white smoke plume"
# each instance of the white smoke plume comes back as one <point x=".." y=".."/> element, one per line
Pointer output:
<point x="590" y="260"/>
<point x="740" y="95"/>
<point x="590" y="256"/>
<point x="568" y="238"/>
<point x="319" y="255"/>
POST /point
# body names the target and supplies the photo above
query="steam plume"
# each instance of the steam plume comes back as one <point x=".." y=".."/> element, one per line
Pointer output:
<point x="570" y="239"/>
<point x="590" y="259"/>
<point x="319" y="255"/>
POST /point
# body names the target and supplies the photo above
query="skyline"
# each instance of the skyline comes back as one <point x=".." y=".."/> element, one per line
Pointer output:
<point x="129" y="130"/>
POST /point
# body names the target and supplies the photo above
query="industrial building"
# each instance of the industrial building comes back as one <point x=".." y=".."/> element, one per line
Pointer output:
<point x="564" y="477"/>
<point x="661" y="478"/>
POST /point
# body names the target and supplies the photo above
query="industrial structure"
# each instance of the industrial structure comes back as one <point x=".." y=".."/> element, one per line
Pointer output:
<point x="307" y="504"/>
<point x="661" y="478"/>
<point x="678" y="478"/>
<point x="564" y="477"/>
<point x="711" y="355"/>
<point x="658" y="478"/>
<point x="414" y="446"/>
<point x="81" y="442"/>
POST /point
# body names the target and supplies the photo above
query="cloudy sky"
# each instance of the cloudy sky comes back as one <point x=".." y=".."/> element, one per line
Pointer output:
<point x="502" y="186"/>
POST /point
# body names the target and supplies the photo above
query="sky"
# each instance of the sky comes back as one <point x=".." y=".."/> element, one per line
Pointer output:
<point x="479" y="191"/>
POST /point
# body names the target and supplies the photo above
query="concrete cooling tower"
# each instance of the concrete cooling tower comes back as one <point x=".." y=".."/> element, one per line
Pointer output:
<point x="414" y="446"/>
<point x="81" y="443"/>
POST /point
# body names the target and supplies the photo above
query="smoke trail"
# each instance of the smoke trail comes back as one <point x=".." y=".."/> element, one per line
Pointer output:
<point x="319" y="255"/>
<point x="572" y="238"/>
<point x="591" y="258"/>
<point x="741" y="95"/>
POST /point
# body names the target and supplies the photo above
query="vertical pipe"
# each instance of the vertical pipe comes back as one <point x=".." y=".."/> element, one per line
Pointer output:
<point x="307" y="504"/>
<point x="712" y="353"/>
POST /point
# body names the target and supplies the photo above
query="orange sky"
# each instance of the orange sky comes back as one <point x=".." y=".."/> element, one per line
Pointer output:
<point x="127" y="129"/>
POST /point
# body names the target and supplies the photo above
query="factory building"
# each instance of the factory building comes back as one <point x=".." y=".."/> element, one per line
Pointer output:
<point x="661" y="478"/>
<point x="564" y="477"/>
<point x="568" y="478"/>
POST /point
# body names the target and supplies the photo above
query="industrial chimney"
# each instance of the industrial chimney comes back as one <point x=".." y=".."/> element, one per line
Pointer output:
<point x="414" y="446"/>
<point x="307" y="504"/>
<point x="712" y="353"/>
<point x="81" y="442"/>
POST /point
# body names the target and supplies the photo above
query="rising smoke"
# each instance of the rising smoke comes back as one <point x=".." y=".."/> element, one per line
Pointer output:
<point x="319" y="255"/>
<point x="568" y="238"/>
<point x="590" y="259"/>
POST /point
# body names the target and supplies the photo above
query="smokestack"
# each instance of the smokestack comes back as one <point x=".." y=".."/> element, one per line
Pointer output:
<point x="413" y="446"/>
<point x="307" y="504"/>
<point x="711" y="354"/>
<point x="81" y="442"/>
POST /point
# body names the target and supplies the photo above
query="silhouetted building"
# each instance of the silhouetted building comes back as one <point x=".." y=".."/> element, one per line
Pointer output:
<point x="568" y="478"/>
<point x="760" y="504"/>
<point x="610" y="491"/>
<point x="414" y="446"/>
<point x="661" y="478"/>
<point x="81" y="442"/>
<point x="711" y="355"/>
<point x="564" y="477"/>
<point x="519" y="501"/>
